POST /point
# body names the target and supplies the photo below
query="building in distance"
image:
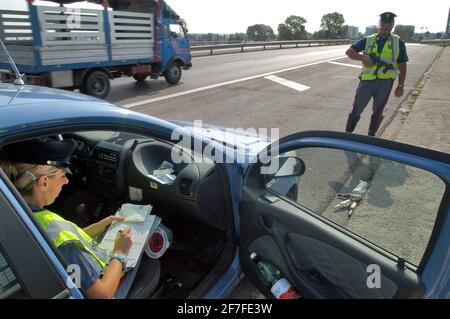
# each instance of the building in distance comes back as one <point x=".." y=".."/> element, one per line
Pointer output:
<point x="352" y="32"/>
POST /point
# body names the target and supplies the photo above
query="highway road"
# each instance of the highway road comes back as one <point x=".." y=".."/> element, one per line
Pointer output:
<point x="290" y="89"/>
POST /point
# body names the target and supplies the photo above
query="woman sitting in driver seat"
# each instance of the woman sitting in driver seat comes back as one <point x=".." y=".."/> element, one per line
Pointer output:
<point x="38" y="170"/>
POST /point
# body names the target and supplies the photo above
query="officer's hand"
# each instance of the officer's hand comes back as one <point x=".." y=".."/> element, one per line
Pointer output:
<point x="398" y="91"/>
<point x="123" y="242"/>
<point x="367" y="61"/>
<point x="110" y="219"/>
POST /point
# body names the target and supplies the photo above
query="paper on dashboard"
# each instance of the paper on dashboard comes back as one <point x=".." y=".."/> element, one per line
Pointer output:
<point x="140" y="233"/>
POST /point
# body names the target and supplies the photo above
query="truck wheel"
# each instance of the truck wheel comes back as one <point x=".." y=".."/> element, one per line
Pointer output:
<point x="173" y="73"/>
<point x="139" y="77"/>
<point x="96" y="84"/>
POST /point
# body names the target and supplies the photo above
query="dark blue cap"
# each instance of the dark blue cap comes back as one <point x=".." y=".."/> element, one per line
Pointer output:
<point x="387" y="17"/>
<point x="42" y="152"/>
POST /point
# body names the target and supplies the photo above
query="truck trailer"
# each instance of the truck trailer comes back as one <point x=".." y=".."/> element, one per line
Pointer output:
<point x="78" y="48"/>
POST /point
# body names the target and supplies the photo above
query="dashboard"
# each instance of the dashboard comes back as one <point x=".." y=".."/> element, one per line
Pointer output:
<point x="124" y="167"/>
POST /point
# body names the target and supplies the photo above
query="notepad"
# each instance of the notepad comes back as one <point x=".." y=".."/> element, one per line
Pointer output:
<point x="142" y="226"/>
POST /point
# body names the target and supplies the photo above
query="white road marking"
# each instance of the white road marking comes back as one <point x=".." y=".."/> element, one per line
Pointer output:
<point x="346" y="64"/>
<point x="243" y="61"/>
<point x="208" y="87"/>
<point x="290" y="84"/>
<point x="205" y="56"/>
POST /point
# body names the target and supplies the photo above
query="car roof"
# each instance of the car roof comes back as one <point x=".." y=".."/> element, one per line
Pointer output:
<point x="11" y="95"/>
<point x="25" y="110"/>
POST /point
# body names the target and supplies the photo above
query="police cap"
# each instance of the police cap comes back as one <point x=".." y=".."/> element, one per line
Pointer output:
<point x="387" y="17"/>
<point x="42" y="152"/>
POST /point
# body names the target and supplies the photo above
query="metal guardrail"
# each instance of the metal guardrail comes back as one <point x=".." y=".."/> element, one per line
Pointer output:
<point x="264" y="45"/>
<point x="444" y="42"/>
<point x="196" y="43"/>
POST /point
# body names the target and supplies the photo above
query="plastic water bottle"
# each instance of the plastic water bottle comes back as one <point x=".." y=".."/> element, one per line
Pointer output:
<point x="272" y="278"/>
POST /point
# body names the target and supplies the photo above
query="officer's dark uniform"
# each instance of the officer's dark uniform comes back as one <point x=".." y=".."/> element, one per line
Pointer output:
<point x="378" y="89"/>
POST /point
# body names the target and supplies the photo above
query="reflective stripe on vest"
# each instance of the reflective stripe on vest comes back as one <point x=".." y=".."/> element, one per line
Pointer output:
<point x="62" y="231"/>
<point x="389" y="54"/>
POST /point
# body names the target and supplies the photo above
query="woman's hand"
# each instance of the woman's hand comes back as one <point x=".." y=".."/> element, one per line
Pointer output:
<point x="98" y="228"/>
<point x="111" y="219"/>
<point x="123" y="242"/>
<point x="106" y="286"/>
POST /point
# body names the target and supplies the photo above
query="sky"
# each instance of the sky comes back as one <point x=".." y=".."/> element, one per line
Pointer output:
<point x="230" y="16"/>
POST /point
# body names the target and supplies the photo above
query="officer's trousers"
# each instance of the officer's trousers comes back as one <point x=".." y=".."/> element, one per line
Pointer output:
<point x="377" y="89"/>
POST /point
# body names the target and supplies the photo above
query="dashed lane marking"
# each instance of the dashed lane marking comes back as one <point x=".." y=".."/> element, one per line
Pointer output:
<point x="290" y="84"/>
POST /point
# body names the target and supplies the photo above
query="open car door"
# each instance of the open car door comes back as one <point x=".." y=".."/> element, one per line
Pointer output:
<point x="301" y="217"/>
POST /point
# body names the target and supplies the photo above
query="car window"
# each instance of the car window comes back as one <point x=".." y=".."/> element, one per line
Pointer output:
<point x="391" y="204"/>
<point x="10" y="287"/>
<point x="165" y="31"/>
<point x="176" y="31"/>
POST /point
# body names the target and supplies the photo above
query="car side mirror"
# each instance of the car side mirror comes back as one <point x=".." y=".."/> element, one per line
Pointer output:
<point x="290" y="166"/>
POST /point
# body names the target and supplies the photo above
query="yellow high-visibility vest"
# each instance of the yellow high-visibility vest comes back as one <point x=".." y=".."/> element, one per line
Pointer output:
<point x="62" y="231"/>
<point x="389" y="54"/>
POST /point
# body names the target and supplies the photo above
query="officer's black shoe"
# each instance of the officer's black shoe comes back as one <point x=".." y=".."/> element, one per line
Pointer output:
<point x="375" y="121"/>
<point x="351" y="122"/>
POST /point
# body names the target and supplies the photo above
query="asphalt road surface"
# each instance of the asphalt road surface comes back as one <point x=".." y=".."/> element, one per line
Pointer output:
<point x="244" y="90"/>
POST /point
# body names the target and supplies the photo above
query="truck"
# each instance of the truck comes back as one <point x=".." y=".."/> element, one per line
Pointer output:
<point x="80" y="48"/>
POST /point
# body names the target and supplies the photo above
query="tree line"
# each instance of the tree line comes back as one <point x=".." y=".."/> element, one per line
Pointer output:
<point x="332" y="27"/>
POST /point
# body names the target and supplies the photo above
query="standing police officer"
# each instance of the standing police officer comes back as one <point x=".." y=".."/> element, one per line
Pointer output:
<point x="384" y="55"/>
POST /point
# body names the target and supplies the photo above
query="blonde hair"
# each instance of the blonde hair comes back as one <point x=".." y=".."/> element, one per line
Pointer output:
<point x="19" y="174"/>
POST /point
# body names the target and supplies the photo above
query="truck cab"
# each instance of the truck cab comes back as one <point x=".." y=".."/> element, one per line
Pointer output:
<point x="175" y="49"/>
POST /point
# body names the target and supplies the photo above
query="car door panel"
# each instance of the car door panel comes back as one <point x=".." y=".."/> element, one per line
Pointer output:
<point x="341" y="270"/>
<point x="311" y="254"/>
<point x="319" y="258"/>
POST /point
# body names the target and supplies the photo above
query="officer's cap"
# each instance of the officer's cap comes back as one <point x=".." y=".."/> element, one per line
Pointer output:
<point x="387" y="17"/>
<point x="42" y="152"/>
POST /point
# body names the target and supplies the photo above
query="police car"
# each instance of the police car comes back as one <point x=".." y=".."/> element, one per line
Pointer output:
<point x="223" y="202"/>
